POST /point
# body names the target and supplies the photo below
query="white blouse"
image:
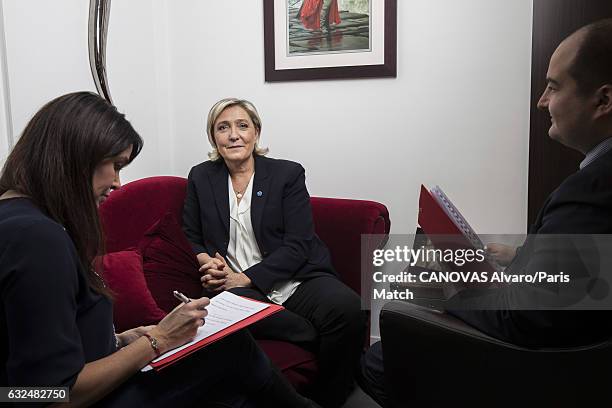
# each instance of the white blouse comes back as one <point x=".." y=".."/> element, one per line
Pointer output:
<point x="243" y="251"/>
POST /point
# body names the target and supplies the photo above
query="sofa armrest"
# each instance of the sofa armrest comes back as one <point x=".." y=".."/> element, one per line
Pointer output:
<point x="340" y="223"/>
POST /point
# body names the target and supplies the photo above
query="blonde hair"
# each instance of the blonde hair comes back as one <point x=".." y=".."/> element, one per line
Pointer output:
<point x="216" y="111"/>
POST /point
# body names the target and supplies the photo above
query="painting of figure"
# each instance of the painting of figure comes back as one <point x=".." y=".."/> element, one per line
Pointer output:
<point x="328" y="26"/>
<point x="315" y="14"/>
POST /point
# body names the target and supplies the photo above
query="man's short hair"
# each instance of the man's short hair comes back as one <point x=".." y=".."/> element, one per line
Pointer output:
<point x="592" y="66"/>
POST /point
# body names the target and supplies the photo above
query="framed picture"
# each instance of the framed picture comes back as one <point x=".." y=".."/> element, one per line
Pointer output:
<point x="330" y="39"/>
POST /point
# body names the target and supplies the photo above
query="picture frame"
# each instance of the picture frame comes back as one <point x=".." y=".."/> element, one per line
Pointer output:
<point x="302" y="46"/>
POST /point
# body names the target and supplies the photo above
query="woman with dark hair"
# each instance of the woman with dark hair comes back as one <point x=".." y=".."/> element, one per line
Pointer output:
<point x="56" y="313"/>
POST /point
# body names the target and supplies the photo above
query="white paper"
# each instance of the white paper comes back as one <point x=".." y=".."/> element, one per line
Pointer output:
<point x="225" y="310"/>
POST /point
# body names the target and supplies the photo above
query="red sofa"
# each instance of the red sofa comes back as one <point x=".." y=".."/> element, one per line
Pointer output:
<point x="131" y="211"/>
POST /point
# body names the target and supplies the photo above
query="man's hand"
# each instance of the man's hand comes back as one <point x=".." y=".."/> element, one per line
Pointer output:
<point x="503" y="254"/>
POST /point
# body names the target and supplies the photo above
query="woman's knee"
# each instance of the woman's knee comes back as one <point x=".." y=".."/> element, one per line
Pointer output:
<point x="345" y="309"/>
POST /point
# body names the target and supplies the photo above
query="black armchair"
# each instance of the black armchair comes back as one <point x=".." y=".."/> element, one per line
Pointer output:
<point x="433" y="359"/>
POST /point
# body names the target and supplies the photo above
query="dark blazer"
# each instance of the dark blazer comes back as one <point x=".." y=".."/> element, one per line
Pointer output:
<point x="280" y="214"/>
<point x="582" y="204"/>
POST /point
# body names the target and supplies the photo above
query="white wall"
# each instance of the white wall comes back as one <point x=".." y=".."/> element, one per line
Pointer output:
<point x="46" y="44"/>
<point x="137" y="64"/>
<point x="47" y="56"/>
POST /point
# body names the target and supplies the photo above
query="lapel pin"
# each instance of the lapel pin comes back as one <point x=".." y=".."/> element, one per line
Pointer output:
<point x="259" y="193"/>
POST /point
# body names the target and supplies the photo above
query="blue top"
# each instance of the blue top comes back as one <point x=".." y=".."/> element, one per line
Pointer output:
<point x="51" y="322"/>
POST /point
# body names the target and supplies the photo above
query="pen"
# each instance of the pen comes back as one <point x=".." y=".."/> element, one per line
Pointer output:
<point x="181" y="297"/>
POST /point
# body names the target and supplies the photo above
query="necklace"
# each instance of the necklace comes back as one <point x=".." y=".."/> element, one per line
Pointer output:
<point x="240" y="193"/>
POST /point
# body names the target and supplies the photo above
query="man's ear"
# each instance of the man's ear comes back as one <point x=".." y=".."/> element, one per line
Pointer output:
<point x="604" y="100"/>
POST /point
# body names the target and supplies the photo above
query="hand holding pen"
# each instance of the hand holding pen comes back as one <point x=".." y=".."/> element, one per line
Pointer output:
<point x="181" y="297"/>
<point x="186" y="300"/>
<point x="181" y="324"/>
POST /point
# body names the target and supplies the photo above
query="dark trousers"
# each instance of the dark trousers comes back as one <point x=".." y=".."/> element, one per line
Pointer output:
<point x="372" y="375"/>
<point x="325" y="316"/>
<point x="232" y="372"/>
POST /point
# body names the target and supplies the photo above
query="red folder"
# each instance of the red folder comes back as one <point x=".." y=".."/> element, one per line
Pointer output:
<point x="432" y="218"/>
<point x="442" y="230"/>
<point x="270" y="310"/>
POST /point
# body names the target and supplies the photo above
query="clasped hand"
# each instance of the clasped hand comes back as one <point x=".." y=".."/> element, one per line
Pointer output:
<point x="217" y="276"/>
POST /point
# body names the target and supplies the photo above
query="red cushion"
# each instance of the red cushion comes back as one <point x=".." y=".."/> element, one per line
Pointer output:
<point x="169" y="263"/>
<point x="131" y="210"/>
<point x="133" y="304"/>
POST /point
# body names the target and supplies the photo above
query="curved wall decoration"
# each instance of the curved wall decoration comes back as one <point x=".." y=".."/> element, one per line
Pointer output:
<point x="99" y="11"/>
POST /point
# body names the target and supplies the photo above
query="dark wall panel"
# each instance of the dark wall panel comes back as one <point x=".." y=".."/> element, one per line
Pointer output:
<point x="550" y="162"/>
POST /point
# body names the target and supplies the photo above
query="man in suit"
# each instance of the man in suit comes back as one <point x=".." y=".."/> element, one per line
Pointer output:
<point x="578" y="98"/>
